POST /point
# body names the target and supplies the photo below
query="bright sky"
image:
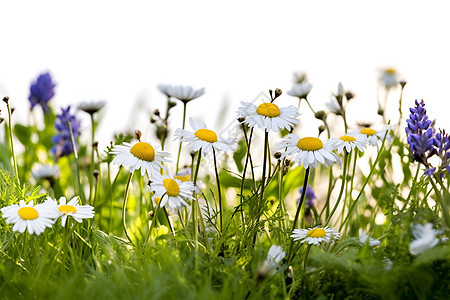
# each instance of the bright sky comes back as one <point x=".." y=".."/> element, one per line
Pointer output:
<point x="235" y="49"/>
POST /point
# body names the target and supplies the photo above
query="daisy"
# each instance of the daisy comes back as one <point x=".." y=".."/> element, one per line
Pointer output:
<point x="91" y="107"/>
<point x="315" y="235"/>
<point x="164" y="88"/>
<point x="300" y="90"/>
<point x="203" y="138"/>
<point x="374" y="136"/>
<point x="274" y="257"/>
<point x="309" y="151"/>
<point x="141" y="155"/>
<point x="364" y="238"/>
<point x="333" y="105"/>
<point x="389" y="78"/>
<point x="183" y="93"/>
<point x="48" y="172"/>
<point x="268" y="116"/>
<point x="34" y="218"/>
<point x="424" y="238"/>
<point x="72" y="208"/>
<point x="172" y="191"/>
<point x="349" y="142"/>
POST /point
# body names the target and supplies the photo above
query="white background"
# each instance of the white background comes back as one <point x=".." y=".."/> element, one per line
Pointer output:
<point x="119" y="50"/>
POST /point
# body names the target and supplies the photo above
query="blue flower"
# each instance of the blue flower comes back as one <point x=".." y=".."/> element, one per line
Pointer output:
<point x="63" y="143"/>
<point x="441" y="148"/>
<point x="419" y="134"/>
<point x="429" y="172"/>
<point x="41" y="91"/>
<point x="309" y="197"/>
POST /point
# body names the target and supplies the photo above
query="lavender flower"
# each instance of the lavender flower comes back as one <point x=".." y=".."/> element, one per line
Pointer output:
<point x="419" y="134"/>
<point x="63" y="143"/>
<point x="309" y="197"/>
<point x="41" y="91"/>
<point x="441" y="148"/>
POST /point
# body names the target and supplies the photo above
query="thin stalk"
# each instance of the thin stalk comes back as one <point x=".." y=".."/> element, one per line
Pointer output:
<point x="400" y="113"/>
<point x="125" y="198"/>
<point x="92" y="166"/>
<point x="305" y="262"/>
<point x="168" y="220"/>
<point x="248" y="159"/>
<point x="111" y="199"/>
<point x="443" y="201"/>
<point x="75" y="153"/>
<point x="184" y="123"/>
<point x="413" y="184"/>
<point x="194" y="201"/>
<point x="11" y="143"/>
<point x="218" y="191"/>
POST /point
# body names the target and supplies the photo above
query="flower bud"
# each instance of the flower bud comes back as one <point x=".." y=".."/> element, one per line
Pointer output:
<point x="6" y="99"/>
<point x="278" y="93"/>
<point x="138" y="134"/>
<point x="277" y="155"/>
<point x="321" y="115"/>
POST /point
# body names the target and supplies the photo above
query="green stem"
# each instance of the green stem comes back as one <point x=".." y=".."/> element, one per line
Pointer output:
<point x="442" y="201"/>
<point x="125" y="198"/>
<point x="75" y="153"/>
<point x="218" y="191"/>
<point x="111" y="199"/>
<point x="344" y="175"/>
<point x="184" y="123"/>
<point x="92" y="166"/>
<point x="168" y="220"/>
<point x="11" y="143"/>
<point x="305" y="262"/>
<point x="194" y="201"/>
<point x="413" y="184"/>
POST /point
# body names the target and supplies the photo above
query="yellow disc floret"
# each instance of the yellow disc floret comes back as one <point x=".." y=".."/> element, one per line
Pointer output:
<point x="390" y="71"/>
<point x="172" y="187"/>
<point x="269" y="110"/>
<point x="183" y="178"/>
<point x="28" y="213"/>
<point x="206" y="135"/>
<point x="65" y="209"/>
<point x="347" y="138"/>
<point x="143" y="151"/>
<point x="368" y="131"/>
<point x="316" y="232"/>
<point x="309" y="144"/>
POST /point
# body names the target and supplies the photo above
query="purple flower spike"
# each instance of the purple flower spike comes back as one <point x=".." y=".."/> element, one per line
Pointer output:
<point x="309" y="197"/>
<point x="41" y="91"/>
<point x="63" y="143"/>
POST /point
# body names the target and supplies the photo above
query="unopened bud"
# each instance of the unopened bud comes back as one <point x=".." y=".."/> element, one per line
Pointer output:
<point x="96" y="173"/>
<point x="156" y="112"/>
<point x="321" y="129"/>
<point x="278" y="93"/>
<point x="287" y="162"/>
<point x="277" y="155"/>
<point x="270" y="93"/>
<point x="380" y="111"/>
<point x="138" y="134"/>
<point x="6" y="99"/>
<point x="240" y="120"/>
<point x="285" y="170"/>
<point x="402" y="83"/>
<point x="349" y="95"/>
<point x="172" y="103"/>
<point x="1" y="120"/>
<point x="192" y="153"/>
<point x="95" y="145"/>
<point x="151" y="213"/>
<point x="321" y="115"/>
<point x="152" y="120"/>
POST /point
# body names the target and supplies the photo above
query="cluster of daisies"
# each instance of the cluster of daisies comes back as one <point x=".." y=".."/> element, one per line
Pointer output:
<point x="35" y="218"/>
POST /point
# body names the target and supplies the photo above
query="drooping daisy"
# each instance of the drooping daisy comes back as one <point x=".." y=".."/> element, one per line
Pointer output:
<point x="374" y="136"/>
<point x="315" y="235"/>
<point x="49" y="172"/>
<point x="275" y="256"/>
<point x="333" y="105"/>
<point x="203" y="138"/>
<point x="34" y="218"/>
<point x="73" y="209"/>
<point x="364" y="238"/>
<point x="91" y="107"/>
<point x="141" y="155"/>
<point x="172" y="191"/>
<point x="184" y="93"/>
<point x="389" y="78"/>
<point x="164" y="88"/>
<point x="300" y="90"/>
<point x="310" y="151"/>
<point x="349" y="142"/>
<point x="268" y="116"/>
<point x="424" y="238"/>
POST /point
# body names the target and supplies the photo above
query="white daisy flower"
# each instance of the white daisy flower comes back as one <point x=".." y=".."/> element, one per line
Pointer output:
<point x="349" y="142"/>
<point x="203" y="138"/>
<point x="300" y="90"/>
<point x="40" y="171"/>
<point x="424" y="238"/>
<point x="172" y="191"/>
<point x="73" y="209"/>
<point x="389" y="78"/>
<point x="309" y="151"/>
<point x="374" y="136"/>
<point x="91" y="107"/>
<point x="333" y="105"/>
<point x="164" y="88"/>
<point x="315" y="235"/>
<point x="274" y="257"/>
<point x="268" y="116"/>
<point x="364" y="238"/>
<point x="184" y="93"/>
<point x="142" y="156"/>
<point x="34" y="218"/>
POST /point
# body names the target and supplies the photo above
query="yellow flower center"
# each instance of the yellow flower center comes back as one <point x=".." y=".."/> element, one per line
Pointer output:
<point x="65" y="209"/>
<point x="143" y="151"/>
<point x="368" y="131"/>
<point x="172" y="187"/>
<point x="269" y="110"/>
<point x="28" y="213"/>
<point x="347" y="138"/>
<point x="206" y="135"/>
<point x="316" y="232"/>
<point x="390" y="71"/>
<point x="309" y="144"/>
<point x="157" y="200"/>
<point x="183" y="178"/>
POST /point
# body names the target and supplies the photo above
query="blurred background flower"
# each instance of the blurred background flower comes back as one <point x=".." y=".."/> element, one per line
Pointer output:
<point x="62" y="141"/>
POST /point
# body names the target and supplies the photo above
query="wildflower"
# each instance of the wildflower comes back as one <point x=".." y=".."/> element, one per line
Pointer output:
<point x="268" y="116"/>
<point x="424" y="238"/>
<point x="274" y="258"/>
<point x="49" y="172"/>
<point x="374" y="136"/>
<point x="300" y="90"/>
<point x="63" y="142"/>
<point x="183" y="93"/>
<point x="419" y="134"/>
<point x="333" y="105"/>
<point x="41" y="91"/>
<point x="141" y="156"/>
<point x="172" y="191"/>
<point x="315" y="235"/>
<point x="164" y="88"/>
<point x="73" y="209"/>
<point x="441" y="148"/>
<point x="185" y="175"/>
<point x="309" y="151"/>
<point x="91" y="107"/>
<point x="365" y="238"/>
<point x="203" y="138"/>
<point x="310" y="197"/>
<point x="389" y="78"/>
<point x="34" y="218"/>
<point x="349" y="142"/>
